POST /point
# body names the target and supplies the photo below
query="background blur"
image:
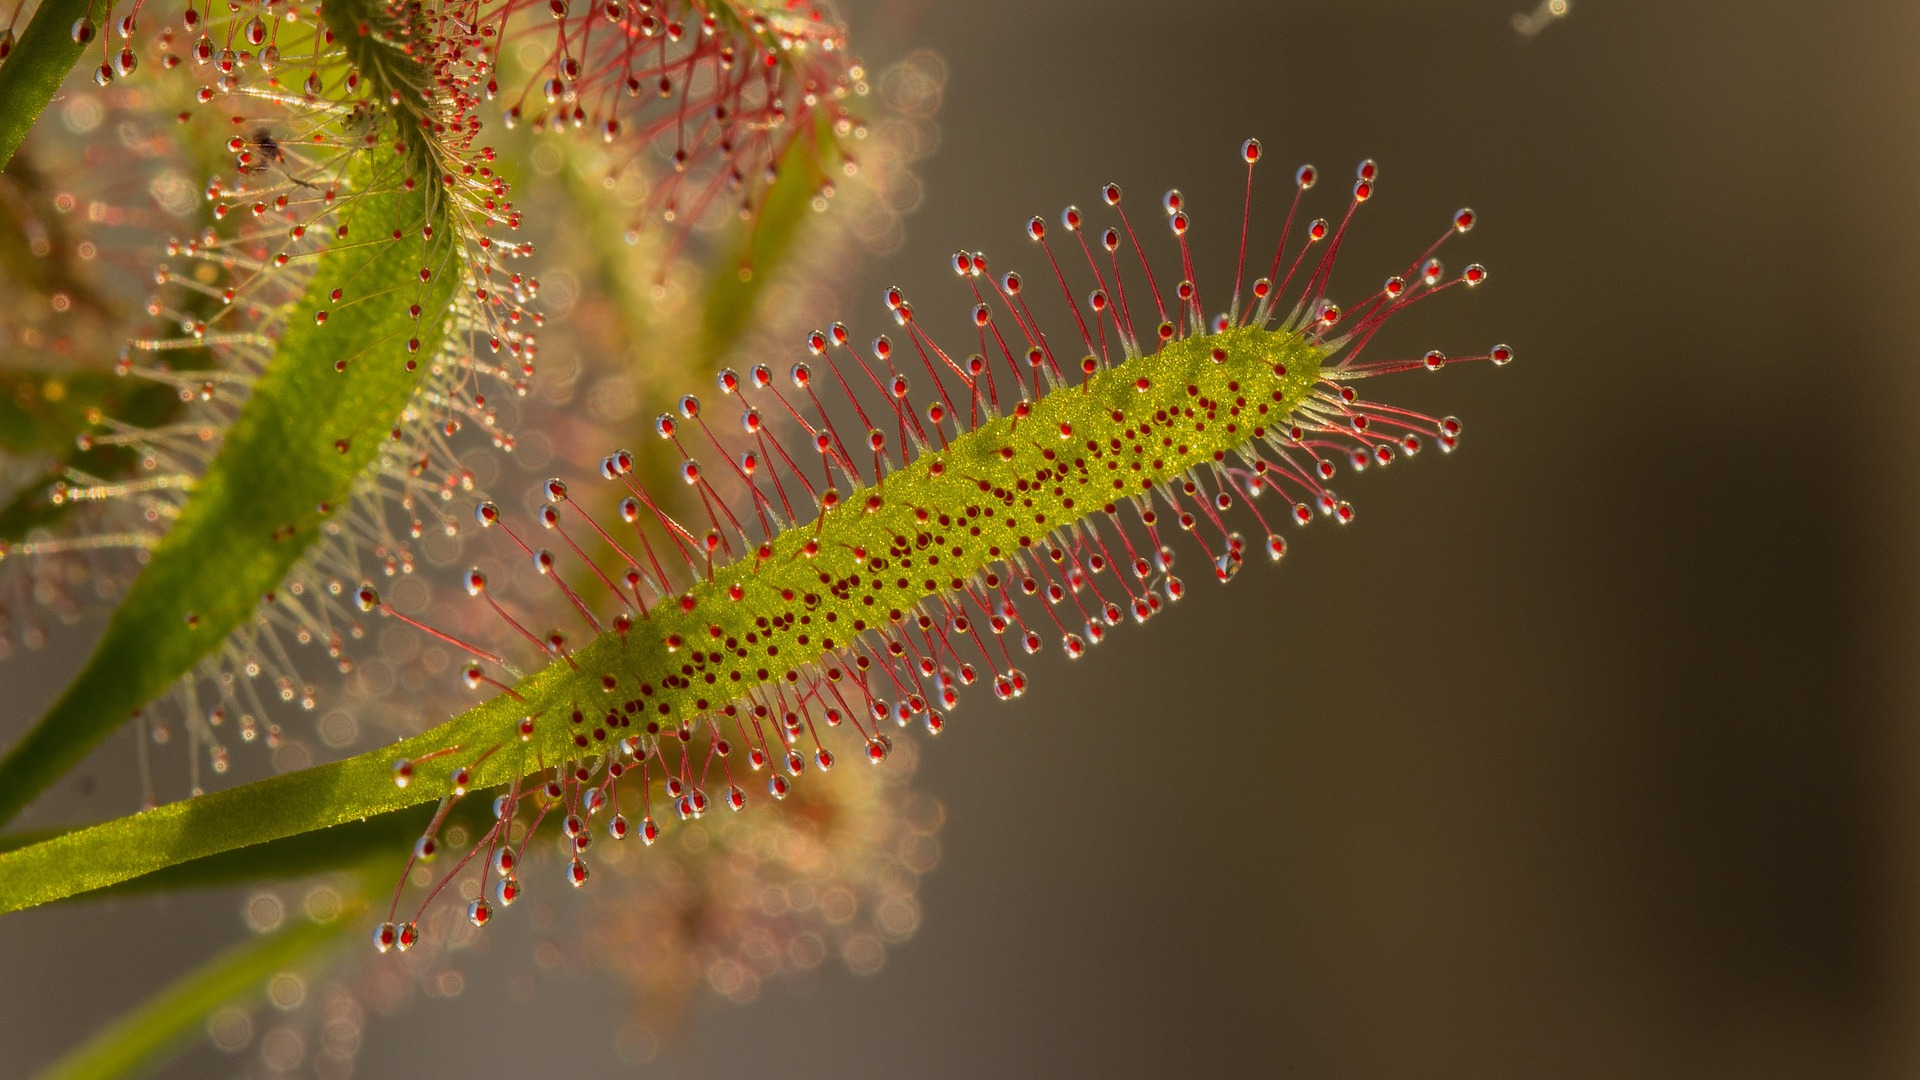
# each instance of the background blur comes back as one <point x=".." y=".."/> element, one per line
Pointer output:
<point x="1590" y="751"/>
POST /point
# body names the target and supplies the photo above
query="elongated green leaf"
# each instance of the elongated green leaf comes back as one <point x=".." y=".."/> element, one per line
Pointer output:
<point x="776" y="612"/>
<point x="47" y="412"/>
<point x="32" y="75"/>
<point x="379" y="840"/>
<point x="740" y="273"/>
<point x="314" y="422"/>
<point x="138" y="1041"/>
<point x="44" y="411"/>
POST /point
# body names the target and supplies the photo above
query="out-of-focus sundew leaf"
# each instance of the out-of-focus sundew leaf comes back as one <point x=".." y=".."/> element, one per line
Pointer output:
<point x="741" y="271"/>
<point x="38" y="65"/>
<point x="44" y="412"/>
<point x="314" y="422"/>
<point x="139" y="1040"/>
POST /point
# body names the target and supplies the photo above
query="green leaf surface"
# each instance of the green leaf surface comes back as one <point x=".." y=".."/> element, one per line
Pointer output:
<point x="43" y="412"/>
<point x="775" y="601"/>
<point x="308" y="430"/>
<point x="46" y="412"/>
<point x="41" y="59"/>
<point x="740" y="273"/>
<point x="138" y="1041"/>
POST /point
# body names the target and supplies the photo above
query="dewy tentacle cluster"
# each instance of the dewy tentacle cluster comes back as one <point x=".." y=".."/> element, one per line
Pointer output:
<point x="866" y="548"/>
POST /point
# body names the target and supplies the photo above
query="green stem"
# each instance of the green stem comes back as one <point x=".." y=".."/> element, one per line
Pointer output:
<point x="133" y="1044"/>
<point x="39" y="64"/>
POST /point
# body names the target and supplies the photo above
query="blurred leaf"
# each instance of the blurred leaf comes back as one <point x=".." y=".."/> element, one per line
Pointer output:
<point x="43" y="412"/>
<point x="741" y="272"/>
<point x="46" y="412"/>
<point x="305" y="434"/>
<point x="138" y="1041"/>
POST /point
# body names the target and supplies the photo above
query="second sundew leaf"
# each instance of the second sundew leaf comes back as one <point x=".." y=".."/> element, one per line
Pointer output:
<point x="316" y="419"/>
<point x="47" y="50"/>
<point x="43" y="412"/>
<point x="740" y="273"/>
<point x="139" y="1041"/>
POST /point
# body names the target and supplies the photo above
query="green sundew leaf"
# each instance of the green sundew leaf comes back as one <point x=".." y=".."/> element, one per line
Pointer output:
<point x="779" y="600"/>
<point x="375" y="842"/>
<point x="43" y="412"/>
<point x="47" y="412"/>
<point x="140" y="1040"/>
<point x="39" y="64"/>
<point x="342" y="847"/>
<point x="289" y="462"/>
<point x="741" y="272"/>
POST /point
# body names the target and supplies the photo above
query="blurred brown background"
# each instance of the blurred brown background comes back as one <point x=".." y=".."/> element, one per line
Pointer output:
<point x="1590" y="751"/>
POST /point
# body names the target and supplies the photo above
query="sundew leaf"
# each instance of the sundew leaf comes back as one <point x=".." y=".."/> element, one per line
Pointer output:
<point x="740" y="274"/>
<point x="339" y="380"/>
<point x="813" y="616"/>
<point x="138" y="1041"/>
<point x="39" y="64"/>
<point x="349" y="846"/>
<point x="48" y="412"/>
<point x="494" y="744"/>
<point x="43" y="412"/>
